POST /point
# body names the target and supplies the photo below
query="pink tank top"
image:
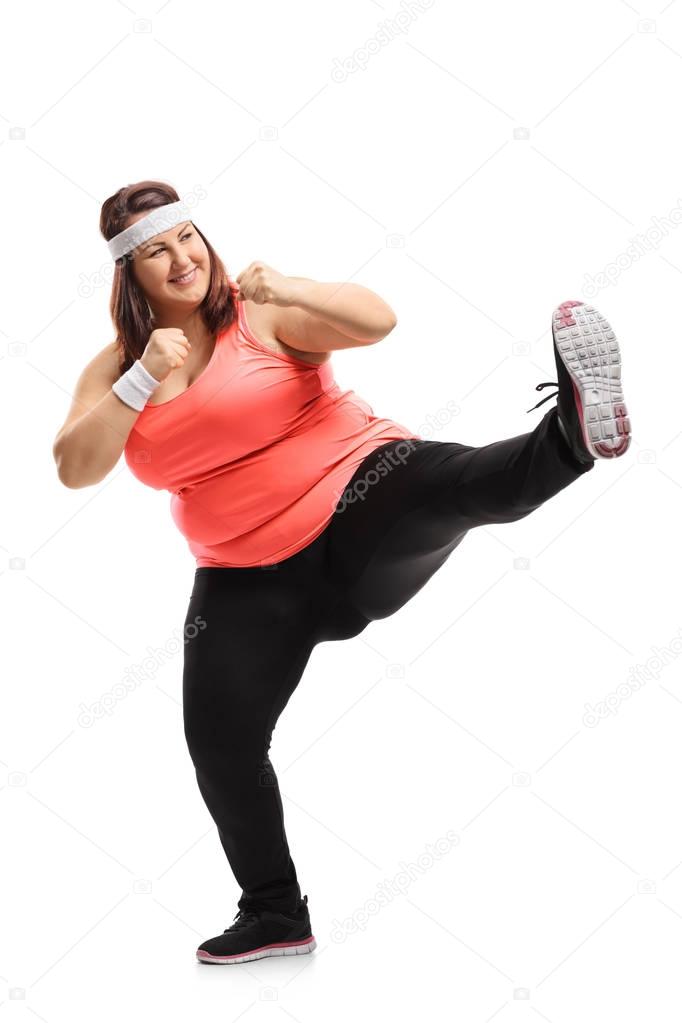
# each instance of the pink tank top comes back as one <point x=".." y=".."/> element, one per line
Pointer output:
<point x="256" y="452"/>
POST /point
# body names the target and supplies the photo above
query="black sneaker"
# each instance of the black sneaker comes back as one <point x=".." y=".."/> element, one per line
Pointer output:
<point x="590" y="397"/>
<point x="257" y="934"/>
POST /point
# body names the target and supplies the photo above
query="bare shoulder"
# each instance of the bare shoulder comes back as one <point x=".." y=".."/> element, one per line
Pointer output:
<point x="94" y="382"/>
<point x="282" y="328"/>
<point x="102" y="370"/>
<point x="108" y="358"/>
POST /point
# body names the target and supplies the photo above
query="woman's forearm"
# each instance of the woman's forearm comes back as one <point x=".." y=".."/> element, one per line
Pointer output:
<point x="351" y="308"/>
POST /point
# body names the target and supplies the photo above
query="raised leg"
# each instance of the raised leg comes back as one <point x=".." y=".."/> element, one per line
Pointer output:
<point x="393" y="529"/>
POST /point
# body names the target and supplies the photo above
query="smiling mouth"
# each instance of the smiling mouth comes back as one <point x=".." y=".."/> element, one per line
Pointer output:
<point x="185" y="278"/>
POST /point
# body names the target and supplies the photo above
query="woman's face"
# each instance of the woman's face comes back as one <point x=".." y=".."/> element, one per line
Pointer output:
<point x="173" y="253"/>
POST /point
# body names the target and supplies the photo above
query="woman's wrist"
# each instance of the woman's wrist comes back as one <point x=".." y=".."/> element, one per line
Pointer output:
<point x="135" y="386"/>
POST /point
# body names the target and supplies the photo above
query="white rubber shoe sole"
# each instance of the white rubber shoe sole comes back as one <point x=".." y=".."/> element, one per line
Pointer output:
<point x="589" y="351"/>
<point x="295" y="948"/>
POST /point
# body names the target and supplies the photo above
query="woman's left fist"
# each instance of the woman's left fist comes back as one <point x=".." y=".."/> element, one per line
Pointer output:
<point x="261" y="284"/>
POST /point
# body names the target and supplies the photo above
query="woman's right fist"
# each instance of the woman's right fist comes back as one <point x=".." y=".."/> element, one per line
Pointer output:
<point x="166" y="350"/>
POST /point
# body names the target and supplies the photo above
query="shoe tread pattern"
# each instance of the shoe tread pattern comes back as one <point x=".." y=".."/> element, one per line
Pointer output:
<point x="589" y="349"/>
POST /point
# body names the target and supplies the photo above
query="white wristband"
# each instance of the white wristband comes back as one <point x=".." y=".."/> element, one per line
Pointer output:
<point x="135" y="386"/>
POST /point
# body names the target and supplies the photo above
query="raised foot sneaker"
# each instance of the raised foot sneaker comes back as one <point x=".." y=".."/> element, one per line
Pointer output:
<point x="590" y="397"/>
<point x="257" y="934"/>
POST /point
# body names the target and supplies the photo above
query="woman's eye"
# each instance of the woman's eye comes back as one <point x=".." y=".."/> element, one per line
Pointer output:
<point x="187" y="235"/>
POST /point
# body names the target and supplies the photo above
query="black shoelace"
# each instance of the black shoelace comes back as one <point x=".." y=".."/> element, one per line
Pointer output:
<point x="242" y="918"/>
<point x="547" y="383"/>
<point x="247" y="916"/>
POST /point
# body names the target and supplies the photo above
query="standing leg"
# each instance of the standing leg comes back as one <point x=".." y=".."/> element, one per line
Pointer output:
<point x="254" y="636"/>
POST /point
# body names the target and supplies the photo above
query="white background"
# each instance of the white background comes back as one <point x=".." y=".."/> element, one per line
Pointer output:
<point x="475" y="164"/>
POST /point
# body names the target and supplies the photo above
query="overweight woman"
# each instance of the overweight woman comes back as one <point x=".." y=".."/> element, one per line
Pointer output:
<point x="308" y="516"/>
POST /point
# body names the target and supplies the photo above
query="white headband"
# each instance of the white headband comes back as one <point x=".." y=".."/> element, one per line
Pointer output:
<point x="156" y="222"/>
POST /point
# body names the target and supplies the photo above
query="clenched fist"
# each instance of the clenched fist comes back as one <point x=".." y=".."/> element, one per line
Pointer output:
<point x="166" y="350"/>
<point x="261" y="284"/>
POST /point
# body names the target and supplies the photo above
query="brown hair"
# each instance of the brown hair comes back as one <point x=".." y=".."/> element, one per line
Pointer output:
<point x="128" y="304"/>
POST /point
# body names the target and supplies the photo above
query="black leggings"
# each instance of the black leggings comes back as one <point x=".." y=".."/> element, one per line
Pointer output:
<point x="406" y="508"/>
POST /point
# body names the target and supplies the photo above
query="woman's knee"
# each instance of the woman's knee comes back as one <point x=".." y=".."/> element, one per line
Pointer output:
<point x="222" y="754"/>
<point x="218" y="732"/>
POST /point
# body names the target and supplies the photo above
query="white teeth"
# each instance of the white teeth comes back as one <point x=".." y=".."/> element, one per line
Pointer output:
<point x="185" y="278"/>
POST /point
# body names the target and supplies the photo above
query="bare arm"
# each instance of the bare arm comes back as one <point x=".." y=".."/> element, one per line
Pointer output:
<point x="91" y="441"/>
<point x="356" y="315"/>
<point x="95" y="431"/>
<point x="322" y="314"/>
